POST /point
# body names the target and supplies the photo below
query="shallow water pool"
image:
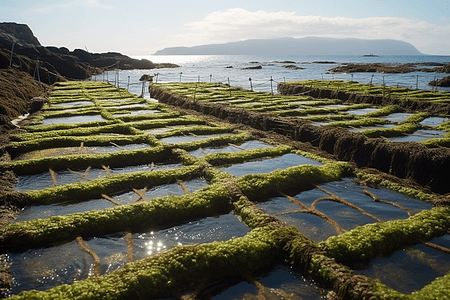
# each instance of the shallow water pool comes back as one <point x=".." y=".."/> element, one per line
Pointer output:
<point x="269" y="165"/>
<point x="73" y="119"/>
<point x="45" y="268"/>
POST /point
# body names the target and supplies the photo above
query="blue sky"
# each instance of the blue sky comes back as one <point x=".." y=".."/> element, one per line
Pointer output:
<point x="139" y="28"/>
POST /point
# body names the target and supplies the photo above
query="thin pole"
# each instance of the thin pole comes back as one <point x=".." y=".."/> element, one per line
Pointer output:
<point x="210" y="78"/>
<point x="128" y="84"/>
<point x="180" y="75"/>
<point x="12" y="51"/>
<point x="271" y="85"/>
<point x="251" y="85"/>
<point x="229" y="86"/>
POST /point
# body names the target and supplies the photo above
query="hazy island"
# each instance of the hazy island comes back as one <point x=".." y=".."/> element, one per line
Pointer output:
<point x="299" y="46"/>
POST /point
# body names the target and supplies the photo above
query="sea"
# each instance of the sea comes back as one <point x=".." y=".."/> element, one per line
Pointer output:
<point x="238" y="70"/>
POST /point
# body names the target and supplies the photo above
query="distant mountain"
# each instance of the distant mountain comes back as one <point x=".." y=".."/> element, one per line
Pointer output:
<point x="300" y="46"/>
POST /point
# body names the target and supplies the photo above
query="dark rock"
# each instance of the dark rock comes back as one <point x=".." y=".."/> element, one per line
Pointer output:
<point x="17" y="33"/>
<point x="252" y="68"/>
<point x="292" y="67"/>
<point x="441" y="82"/>
<point x="146" y="77"/>
<point x="37" y="103"/>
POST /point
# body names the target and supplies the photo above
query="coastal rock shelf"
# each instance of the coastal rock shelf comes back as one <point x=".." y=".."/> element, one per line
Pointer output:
<point x="193" y="207"/>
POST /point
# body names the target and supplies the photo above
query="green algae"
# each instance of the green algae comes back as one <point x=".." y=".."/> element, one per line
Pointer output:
<point x="390" y="132"/>
<point x="114" y="159"/>
<point x="369" y="89"/>
<point x="410" y="192"/>
<point x="365" y="242"/>
<point x="175" y="271"/>
<point x="260" y="186"/>
<point x="84" y="191"/>
<point x="155" y="214"/>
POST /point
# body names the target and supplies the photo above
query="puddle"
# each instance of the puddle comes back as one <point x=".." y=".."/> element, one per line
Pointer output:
<point x="269" y="165"/>
<point x="281" y="282"/>
<point x="53" y="152"/>
<point x="73" y="119"/>
<point x="138" y="112"/>
<point x="47" y="211"/>
<point x="231" y="148"/>
<point x="434" y="121"/>
<point x="409" y="269"/>
<point x="419" y="136"/>
<point x="396" y="117"/>
<point x="45" y="268"/>
<point x="73" y="103"/>
<point x="45" y="180"/>
<point x="189" y="138"/>
<point x="362" y="111"/>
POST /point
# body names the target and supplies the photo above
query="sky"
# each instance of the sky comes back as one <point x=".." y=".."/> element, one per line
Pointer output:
<point x="140" y="28"/>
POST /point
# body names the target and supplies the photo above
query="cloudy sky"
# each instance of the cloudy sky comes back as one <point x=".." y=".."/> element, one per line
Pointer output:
<point x="139" y="28"/>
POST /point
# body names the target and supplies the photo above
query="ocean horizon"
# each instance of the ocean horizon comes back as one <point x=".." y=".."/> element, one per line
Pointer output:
<point x="237" y="70"/>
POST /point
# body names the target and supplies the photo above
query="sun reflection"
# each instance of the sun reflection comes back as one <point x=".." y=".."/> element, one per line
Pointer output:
<point x="153" y="248"/>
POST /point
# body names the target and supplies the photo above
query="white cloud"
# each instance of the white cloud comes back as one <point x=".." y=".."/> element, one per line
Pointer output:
<point x="239" y="24"/>
<point x="85" y="3"/>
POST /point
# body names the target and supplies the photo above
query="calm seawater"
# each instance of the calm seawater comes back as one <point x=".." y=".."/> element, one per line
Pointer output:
<point x="231" y="69"/>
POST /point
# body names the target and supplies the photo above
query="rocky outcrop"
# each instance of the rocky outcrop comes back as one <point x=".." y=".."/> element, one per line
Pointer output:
<point x="441" y="82"/>
<point x="56" y="64"/>
<point x="18" y="33"/>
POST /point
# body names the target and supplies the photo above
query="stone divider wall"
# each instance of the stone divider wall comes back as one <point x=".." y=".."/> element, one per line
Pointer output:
<point x="427" y="166"/>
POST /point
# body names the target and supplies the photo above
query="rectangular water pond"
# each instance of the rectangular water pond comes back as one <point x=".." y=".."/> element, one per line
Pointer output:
<point x="73" y="103"/>
<point x="138" y="112"/>
<point x="409" y="269"/>
<point x="231" y="148"/>
<point x="46" y="180"/>
<point x="190" y="138"/>
<point x="45" y="268"/>
<point x="269" y="165"/>
<point x="53" y="152"/>
<point x="73" y="119"/>
<point x="47" y="211"/>
<point x="419" y="136"/>
<point x="279" y="282"/>
<point x="355" y="208"/>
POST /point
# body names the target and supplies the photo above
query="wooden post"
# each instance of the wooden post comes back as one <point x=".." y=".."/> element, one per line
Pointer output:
<point x="12" y="51"/>
<point x="210" y="78"/>
<point x="251" y="85"/>
<point x="180" y="75"/>
<point x="128" y="84"/>
<point x="271" y="85"/>
<point x="229" y="86"/>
